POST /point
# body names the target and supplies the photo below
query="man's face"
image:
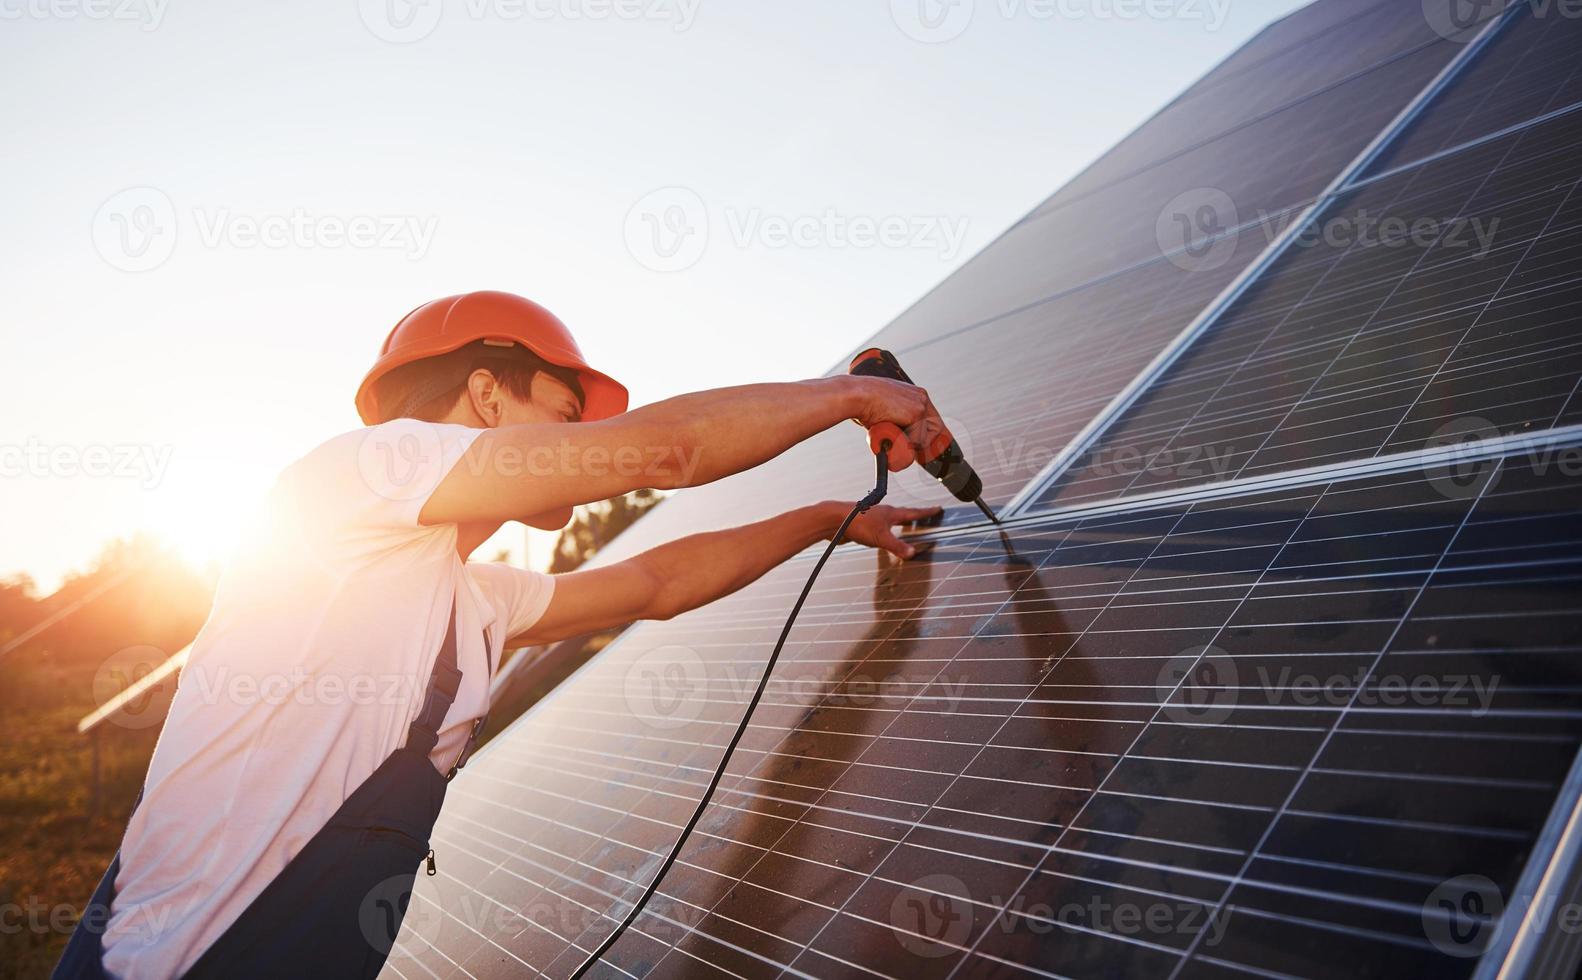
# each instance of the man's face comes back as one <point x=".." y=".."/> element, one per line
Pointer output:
<point x="552" y="401"/>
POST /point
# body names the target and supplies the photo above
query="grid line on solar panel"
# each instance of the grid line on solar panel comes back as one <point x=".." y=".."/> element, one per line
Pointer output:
<point x="1010" y="410"/>
<point x="1280" y="219"/>
<point x="1297" y="351"/>
<point x="1383" y="173"/>
<point x="1365" y="42"/>
<point x="1266" y="167"/>
<point x="1510" y="50"/>
<point x="1531" y="68"/>
<point x="1117" y="538"/>
<point x="1289" y="33"/>
<point x="1100" y="788"/>
<point x="1291" y="795"/>
<point x="1068" y="307"/>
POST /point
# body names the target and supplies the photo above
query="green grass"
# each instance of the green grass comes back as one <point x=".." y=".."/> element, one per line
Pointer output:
<point x="56" y="848"/>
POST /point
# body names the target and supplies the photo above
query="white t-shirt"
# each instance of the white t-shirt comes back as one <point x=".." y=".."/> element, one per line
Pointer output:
<point x="312" y="664"/>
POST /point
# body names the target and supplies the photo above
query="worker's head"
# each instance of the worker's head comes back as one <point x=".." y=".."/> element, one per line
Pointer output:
<point x="496" y="358"/>
<point x="486" y="359"/>
<point x="484" y="384"/>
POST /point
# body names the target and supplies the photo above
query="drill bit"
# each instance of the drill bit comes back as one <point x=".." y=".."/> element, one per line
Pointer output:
<point x="985" y="508"/>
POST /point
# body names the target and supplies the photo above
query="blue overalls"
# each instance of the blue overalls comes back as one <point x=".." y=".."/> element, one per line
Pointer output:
<point x="334" y="909"/>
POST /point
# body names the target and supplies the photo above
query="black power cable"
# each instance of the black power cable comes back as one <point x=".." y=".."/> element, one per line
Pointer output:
<point x="874" y="496"/>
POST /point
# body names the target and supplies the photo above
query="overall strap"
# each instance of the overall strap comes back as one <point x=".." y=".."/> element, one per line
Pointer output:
<point x="423" y="734"/>
<point x="443" y="684"/>
<point x="477" y="725"/>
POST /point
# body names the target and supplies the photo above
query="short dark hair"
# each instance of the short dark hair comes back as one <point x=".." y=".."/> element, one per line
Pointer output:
<point x="427" y="389"/>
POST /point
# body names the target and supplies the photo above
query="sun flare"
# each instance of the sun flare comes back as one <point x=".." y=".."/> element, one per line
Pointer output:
<point x="201" y="510"/>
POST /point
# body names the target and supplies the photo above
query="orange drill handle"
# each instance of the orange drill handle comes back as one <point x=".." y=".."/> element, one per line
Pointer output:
<point x="935" y="447"/>
<point x="932" y="438"/>
<point x="882" y="433"/>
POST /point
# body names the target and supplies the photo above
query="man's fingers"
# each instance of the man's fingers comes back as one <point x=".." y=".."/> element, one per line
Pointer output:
<point x="906" y="515"/>
<point x="895" y="546"/>
<point x="901" y="456"/>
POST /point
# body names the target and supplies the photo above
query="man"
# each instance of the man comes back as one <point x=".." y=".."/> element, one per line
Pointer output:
<point x="339" y="680"/>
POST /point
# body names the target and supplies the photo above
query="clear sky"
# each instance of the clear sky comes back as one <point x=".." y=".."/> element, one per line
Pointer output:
<point x="215" y="210"/>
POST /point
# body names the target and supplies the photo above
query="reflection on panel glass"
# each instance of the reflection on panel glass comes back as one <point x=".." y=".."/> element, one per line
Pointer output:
<point x="1314" y="24"/>
<point x="1032" y="337"/>
<point x="1435" y="305"/>
<point x="1285" y="65"/>
<point x="1267" y="732"/>
<point x="1251" y="175"/>
<point x="1532" y="67"/>
<point x="1011" y="411"/>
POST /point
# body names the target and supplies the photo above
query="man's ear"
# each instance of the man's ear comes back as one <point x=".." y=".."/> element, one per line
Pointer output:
<point x="485" y="394"/>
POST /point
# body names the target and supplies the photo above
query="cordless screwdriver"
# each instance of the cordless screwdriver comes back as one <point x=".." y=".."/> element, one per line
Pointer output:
<point x="940" y="455"/>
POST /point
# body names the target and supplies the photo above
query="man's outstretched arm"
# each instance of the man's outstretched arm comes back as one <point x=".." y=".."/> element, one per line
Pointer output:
<point x="695" y="570"/>
<point x="684" y="441"/>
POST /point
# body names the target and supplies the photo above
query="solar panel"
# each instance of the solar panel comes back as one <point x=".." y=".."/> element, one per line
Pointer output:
<point x="1270" y="164"/>
<point x="1267" y="77"/>
<point x="1530" y="69"/>
<point x="1360" y="343"/>
<point x="1013" y="391"/>
<point x="962" y="748"/>
<point x="1033" y="335"/>
<point x="1272" y="721"/>
<point x="1298" y="30"/>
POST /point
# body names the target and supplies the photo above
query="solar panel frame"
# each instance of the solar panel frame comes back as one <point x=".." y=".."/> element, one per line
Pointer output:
<point x="1552" y="879"/>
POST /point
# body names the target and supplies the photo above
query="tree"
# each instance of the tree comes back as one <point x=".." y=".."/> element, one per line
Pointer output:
<point x="596" y="525"/>
<point x="18" y="605"/>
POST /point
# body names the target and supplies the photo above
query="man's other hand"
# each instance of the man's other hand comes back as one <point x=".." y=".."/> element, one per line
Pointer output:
<point x="875" y="527"/>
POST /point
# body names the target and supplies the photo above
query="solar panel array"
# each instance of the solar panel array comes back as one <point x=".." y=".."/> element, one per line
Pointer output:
<point x="1032" y="336"/>
<point x="1312" y="729"/>
<point x="1366" y="340"/>
<point x="1531" y="70"/>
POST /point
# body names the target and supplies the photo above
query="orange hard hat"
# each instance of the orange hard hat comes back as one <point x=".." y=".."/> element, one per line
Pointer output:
<point x="448" y="324"/>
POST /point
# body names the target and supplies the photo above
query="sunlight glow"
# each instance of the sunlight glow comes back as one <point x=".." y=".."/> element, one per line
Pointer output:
<point x="200" y="509"/>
